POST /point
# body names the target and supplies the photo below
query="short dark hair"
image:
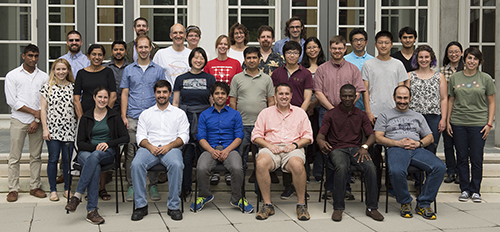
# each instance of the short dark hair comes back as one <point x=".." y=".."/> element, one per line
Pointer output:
<point x="414" y="59"/>
<point x="239" y="26"/>
<point x="347" y="87"/>
<point x="265" y="28"/>
<point x="96" y="46"/>
<point x="141" y="18"/>
<point x="401" y="86"/>
<point x="31" y="48"/>
<point x="282" y="84"/>
<point x="223" y="85"/>
<point x="292" y="45"/>
<point x="321" y="56"/>
<point x="290" y="20"/>
<point x="249" y="50"/>
<point x="475" y="52"/>
<point x="407" y="30"/>
<point x="193" y="52"/>
<point x="99" y="89"/>
<point x="142" y="37"/>
<point x="383" y="34"/>
<point x="73" y="32"/>
<point x="356" y="31"/>
<point x="162" y="83"/>
<point x="119" y="42"/>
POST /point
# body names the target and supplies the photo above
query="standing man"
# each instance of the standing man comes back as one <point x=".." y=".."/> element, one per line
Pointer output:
<point x="340" y="137"/>
<point x="220" y="131"/>
<point x="282" y="131"/>
<point x="161" y="131"/>
<point x="407" y="37"/>
<point x="118" y="64"/>
<point x="140" y="27"/>
<point x="174" y="59"/>
<point x="22" y="86"/>
<point x="270" y="60"/>
<point x="138" y="95"/>
<point x="406" y="133"/>
<point x="294" y="31"/>
<point x="75" y="57"/>
<point x="378" y="80"/>
<point x="251" y="92"/>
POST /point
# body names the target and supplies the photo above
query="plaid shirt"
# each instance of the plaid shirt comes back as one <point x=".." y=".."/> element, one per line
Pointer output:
<point x="447" y="71"/>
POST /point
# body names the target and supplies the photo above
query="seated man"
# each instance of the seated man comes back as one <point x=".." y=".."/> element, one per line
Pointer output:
<point x="220" y="131"/>
<point x="161" y="130"/>
<point x="343" y="127"/>
<point x="406" y="133"/>
<point x="282" y="131"/>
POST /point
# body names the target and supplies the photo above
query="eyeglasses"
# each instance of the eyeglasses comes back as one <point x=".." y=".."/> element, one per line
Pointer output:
<point x="292" y="53"/>
<point x="74" y="40"/>
<point x="358" y="40"/>
<point x="312" y="47"/>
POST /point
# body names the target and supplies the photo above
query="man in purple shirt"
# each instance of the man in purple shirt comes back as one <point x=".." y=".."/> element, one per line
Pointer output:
<point x="340" y="138"/>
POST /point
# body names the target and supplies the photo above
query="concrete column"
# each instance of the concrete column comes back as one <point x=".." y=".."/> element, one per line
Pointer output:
<point x="497" y="74"/>
<point x="449" y="27"/>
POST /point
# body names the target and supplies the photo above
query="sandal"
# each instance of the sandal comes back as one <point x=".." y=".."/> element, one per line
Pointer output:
<point x="104" y="195"/>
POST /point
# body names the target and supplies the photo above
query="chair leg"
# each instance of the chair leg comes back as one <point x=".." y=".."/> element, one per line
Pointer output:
<point x="69" y="175"/>
<point x="386" y="188"/>
<point x="121" y="182"/>
<point x="362" y="185"/>
<point x="116" y="188"/>
<point x="196" y="192"/>
<point x="322" y="177"/>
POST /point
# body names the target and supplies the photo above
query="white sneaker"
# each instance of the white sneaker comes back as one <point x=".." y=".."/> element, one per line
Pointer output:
<point x="476" y="198"/>
<point x="464" y="197"/>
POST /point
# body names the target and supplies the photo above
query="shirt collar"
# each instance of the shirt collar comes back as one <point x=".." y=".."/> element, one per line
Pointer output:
<point x="338" y="65"/>
<point x="24" y="70"/>
<point x="151" y="64"/>
<point x="353" y="111"/>
<point x="76" y="56"/>
<point x="212" y="109"/>
<point x="246" y="74"/>
<point x="169" y="108"/>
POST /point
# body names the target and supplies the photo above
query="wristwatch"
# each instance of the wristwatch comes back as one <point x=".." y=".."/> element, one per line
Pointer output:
<point x="421" y="144"/>
<point x="37" y="120"/>
<point x="364" y="146"/>
<point x="296" y="145"/>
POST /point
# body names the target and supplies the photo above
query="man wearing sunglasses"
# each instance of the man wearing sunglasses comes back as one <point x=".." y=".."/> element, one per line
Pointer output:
<point x="75" y="57"/>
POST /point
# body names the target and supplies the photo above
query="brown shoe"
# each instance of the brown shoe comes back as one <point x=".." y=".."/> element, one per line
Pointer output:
<point x="72" y="204"/>
<point x="302" y="213"/>
<point x="337" y="215"/>
<point x="12" y="196"/>
<point x="265" y="212"/>
<point x="94" y="217"/>
<point x="38" y="192"/>
<point x="60" y="179"/>
<point x="373" y="213"/>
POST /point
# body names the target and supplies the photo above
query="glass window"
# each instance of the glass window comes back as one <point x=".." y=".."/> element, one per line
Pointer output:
<point x="351" y="14"/>
<point x="18" y="24"/>
<point x="160" y="13"/>
<point x="61" y="19"/>
<point x="482" y="29"/>
<point x="252" y="14"/>
<point x="307" y="10"/>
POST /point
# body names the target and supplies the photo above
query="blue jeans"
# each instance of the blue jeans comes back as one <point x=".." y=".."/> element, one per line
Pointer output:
<point x="449" y="154"/>
<point x="470" y="146"/>
<point x="246" y="140"/>
<point x="399" y="159"/>
<point x="55" y="148"/>
<point x="433" y="122"/>
<point x="91" y="171"/>
<point x="143" y="161"/>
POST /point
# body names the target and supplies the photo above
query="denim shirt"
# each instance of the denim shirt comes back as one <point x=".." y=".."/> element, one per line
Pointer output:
<point x="77" y="62"/>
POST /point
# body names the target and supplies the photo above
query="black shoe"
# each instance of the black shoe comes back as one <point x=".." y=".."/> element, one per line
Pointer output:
<point x="252" y="178"/>
<point x="162" y="177"/>
<point x="348" y="196"/>
<point x="457" y="181"/>
<point x="287" y="193"/>
<point x="274" y="178"/>
<point x="449" y="179"/>
<point x="139" y="213"/>
<point x="175" y="214"/>
<point x="328" y="196"/>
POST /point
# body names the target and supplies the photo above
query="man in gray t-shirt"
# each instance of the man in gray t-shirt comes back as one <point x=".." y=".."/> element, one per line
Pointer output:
<point x="406" y="133"/>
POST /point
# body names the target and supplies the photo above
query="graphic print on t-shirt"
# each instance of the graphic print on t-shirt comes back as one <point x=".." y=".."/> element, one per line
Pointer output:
<point x="221" y="73"/>
<point x="195" y="83"/>
<point x="178" y="67"/>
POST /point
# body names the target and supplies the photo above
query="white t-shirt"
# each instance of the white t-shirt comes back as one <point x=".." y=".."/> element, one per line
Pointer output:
<point x="173" y="63"/>
<point x="236" y="55"/>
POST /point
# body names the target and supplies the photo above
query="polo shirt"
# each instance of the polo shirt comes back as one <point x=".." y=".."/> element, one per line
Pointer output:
<point x="300" y="80"/>
<point x="220" y="128"/>
<point x="358" y="61"/>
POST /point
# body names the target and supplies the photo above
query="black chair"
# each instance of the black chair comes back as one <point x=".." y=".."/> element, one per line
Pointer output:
<point x="108" y="167"/>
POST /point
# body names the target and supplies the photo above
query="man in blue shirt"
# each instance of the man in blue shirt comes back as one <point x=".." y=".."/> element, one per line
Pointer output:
<point x="137" y="95"/>
<point x="294" y="31"/>
<point x="75" y="57"/>
<point x="359" y="39"/>
<point x="220" y="131"/>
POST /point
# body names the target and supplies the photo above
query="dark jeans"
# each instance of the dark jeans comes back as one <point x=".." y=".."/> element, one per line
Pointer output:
<point x="188" y="159"/>
<point x="56" y="148"/>
<point x="470" y="146"/>
<point x="449" y="154"/>
<point x="244" y="142"/>
<point x="342" y="159"/>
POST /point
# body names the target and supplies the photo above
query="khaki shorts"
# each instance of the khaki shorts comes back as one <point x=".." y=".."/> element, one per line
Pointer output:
<point x="281" y="159"/>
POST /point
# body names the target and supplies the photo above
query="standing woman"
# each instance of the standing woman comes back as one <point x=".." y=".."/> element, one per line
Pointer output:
<point x="100" y="131"/>
<point x="452" y="62"/>
<point x="90" y="78"/>
<point x="58" y="121"/>
<point x="429" y="92"/>
<point x="193" y="36"/>
<point x="239" y="36"/>
<point x="472" y="109"/>
<point x="192" y="94"/>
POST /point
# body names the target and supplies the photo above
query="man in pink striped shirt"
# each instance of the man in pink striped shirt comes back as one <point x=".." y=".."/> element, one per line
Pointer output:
<point x="282" y="131"/>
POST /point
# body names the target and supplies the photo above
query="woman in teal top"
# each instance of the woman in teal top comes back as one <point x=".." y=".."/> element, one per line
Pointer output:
<point x="471" y="107"/>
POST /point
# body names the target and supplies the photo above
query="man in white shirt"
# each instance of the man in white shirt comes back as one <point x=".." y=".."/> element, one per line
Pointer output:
<point x="22" y="93"/>
<point x="161" y="130"/>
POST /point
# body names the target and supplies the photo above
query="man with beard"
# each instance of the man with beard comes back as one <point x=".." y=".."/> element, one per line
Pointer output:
<point x="270" y="60"/>
<point x="75" y="57"/>
<point x="406" y="133"/>
<point x="407" y="37"/>
<point x="294" y="31"/>
<point x="140" y="27"/>
<point x="161" y="131"/>
<point x="137" y="96"/>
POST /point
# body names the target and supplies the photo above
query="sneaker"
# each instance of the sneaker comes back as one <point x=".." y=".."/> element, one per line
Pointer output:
<point x="130" y="194"/>
<point x="247" y="207"/>
<point x="302" y="213"/>
<point x="285" y="195"/>
<point x="175" y="214"/>
<point x="307" y="196"/>
<point x="406" y="210"/>
<point x="228" y="179"/>
<point x="72" y="204"/>
<point x="426" y="212"/>
<point x="200" y="202"/>
<point x="353" y="179"/>
<point x="94" y="217"/>
<point x="476" y="198"/>
<point x="457" y="181"/>
<point x="153" y="193"/>
<point x="349" y="196"/>
<point x="449" y="179"/>
<point x="215" y="179"/>
<point x="139" y="213"/>
<point x="265" y="212"/>
<point x="464" y="197"/>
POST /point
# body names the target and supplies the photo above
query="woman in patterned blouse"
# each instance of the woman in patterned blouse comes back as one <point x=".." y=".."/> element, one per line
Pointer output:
<point x="58" y="121"/>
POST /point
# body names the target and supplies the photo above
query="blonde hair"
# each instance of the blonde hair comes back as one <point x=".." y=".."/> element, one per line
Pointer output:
<point x="219" y="40"/>
<point x="52" y="77"/>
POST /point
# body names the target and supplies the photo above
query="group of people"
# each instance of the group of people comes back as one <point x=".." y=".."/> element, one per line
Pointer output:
<point x="172" y="106"/>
